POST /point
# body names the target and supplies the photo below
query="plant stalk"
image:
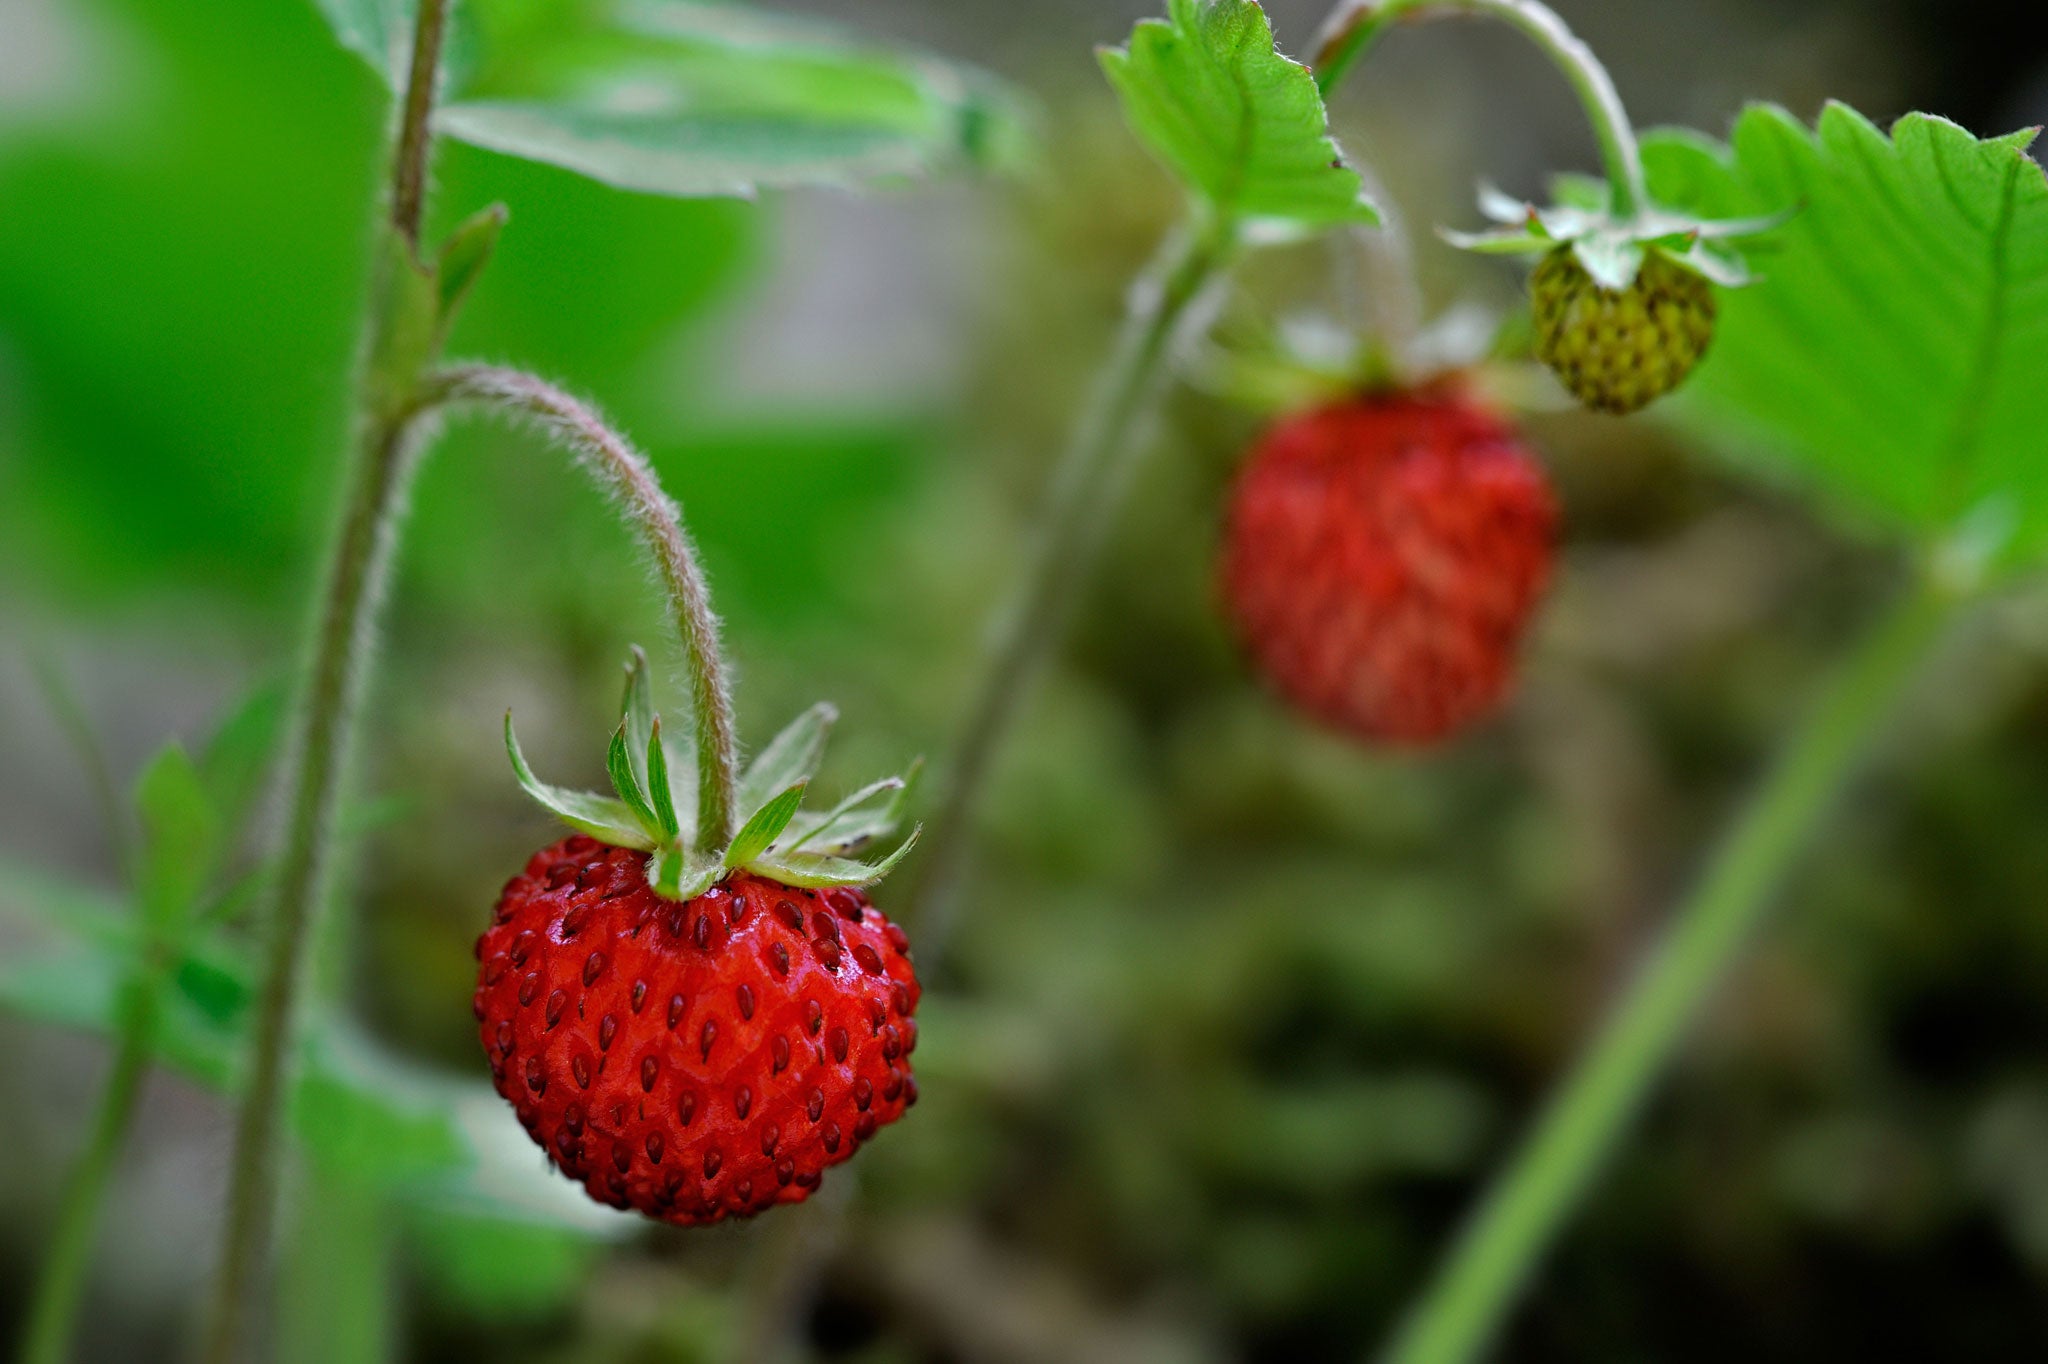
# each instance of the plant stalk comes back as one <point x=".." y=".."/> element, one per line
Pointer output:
<point x="625" y="473"/>
<point x="1549" y="1174"/>
<point x="61" y="1283"/>
<point x="325" y="734"/>
<point x="1173" y="301"/>
<point x="327" y="724"/>
<point x="1356" y="25"/>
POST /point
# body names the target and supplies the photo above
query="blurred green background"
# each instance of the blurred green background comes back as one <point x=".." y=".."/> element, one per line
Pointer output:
<point x="1239" y="1015"/>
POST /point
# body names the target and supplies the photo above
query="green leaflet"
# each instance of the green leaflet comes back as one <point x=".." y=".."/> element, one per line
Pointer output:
<point x="1891" y="358"/>
<point x="1242" y="126"/>
<point x="686" y="98"/>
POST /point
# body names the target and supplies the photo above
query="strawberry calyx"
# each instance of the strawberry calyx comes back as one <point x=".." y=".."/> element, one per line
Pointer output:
<point x="1612" y="247"/>
<point x="655" y="812"/>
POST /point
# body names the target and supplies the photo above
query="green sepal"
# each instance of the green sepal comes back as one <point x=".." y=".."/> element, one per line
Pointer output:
<point x="850" y="826"/>
<point x="675" y="873"/>
<point x="818" y="870"/>
<point x="636" y="706"/>
<point x="791" y="758"/>
<point x="766" y="824"/>
<point x="463" y="257"/>
<point x="618" y="764"/>
<point x="602" y="817"/>
<point x="775" y="839"/>
<point x="1612" y="249"/>
<point x="658" y="784"/>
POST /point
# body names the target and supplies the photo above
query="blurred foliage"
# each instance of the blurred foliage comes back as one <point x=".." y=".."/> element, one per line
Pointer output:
<point x="1216" y="1088"/>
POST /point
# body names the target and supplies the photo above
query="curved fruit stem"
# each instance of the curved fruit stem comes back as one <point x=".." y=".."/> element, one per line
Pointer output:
<point x="61" y="1283"/>
<point x="1549" y="1174"/>
<point x="1357" y="25"/>
<point x="325" y="728"/>
<point x="1171" y="302"/>
<point x="626" y="475"/>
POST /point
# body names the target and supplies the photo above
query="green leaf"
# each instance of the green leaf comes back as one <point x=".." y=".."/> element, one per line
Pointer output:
<point x="378" y="31"/>
<point x="682" y="98"/>
<point x="463" y="257"/>
<point x="61" y="905"/>
<point x="602" y="817"/>
<point x="1242" y="126"/>
<point x="1891" y="356"/>
<point x="791" y="758"/>
<point x="237" y="761"/>
<point x="760" y="831"/>
<point x="368" y="1112"/>
<point x="181" y="837"/>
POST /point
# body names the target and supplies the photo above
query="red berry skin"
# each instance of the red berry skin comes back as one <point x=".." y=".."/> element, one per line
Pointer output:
<point x="1381" y="558"/>
<point x="693" y="1060"/>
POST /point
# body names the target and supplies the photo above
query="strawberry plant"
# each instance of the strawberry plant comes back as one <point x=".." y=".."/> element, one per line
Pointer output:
<point x="691" y="1004"/>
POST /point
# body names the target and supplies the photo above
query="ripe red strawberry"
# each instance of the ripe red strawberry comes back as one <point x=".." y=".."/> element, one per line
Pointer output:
<point x="1381" y="558"/>
<point x="693" y="1060"/>
<point x="698" y="1032"/>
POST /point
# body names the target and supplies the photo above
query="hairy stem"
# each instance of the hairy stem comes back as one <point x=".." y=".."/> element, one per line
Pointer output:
<point x="1356" y="25"/>
<point x="1168" y="305"/>
<point x="1550" y="1172"/>
<point x="415" y="140"/>
<point x="626" y="475"/>
<point x="54" y="1309"/>
<point x="326" y="722"/>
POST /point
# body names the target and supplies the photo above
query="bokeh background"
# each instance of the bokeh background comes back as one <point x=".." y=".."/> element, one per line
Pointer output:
<point x="1239" y="1015"/>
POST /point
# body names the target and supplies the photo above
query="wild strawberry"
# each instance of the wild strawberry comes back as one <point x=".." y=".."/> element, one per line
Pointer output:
<point x="699" y="1038"/>
<point x="694" y="1060"/>
<point x="1381" y="558"/>
<point x="1618" y="350"/>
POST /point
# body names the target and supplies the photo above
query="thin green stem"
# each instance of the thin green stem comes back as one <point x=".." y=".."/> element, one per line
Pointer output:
<point x="625" y="473"/>
<point x="1549" y="1174"/>
<point x="54" y="1309"/>
<point x="1355" y="26"/>
<point x="1169" y="304"/>
<point x="326" y="723"/>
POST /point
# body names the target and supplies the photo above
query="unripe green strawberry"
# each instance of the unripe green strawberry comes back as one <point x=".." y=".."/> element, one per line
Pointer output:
<point x="1618" y="350"/>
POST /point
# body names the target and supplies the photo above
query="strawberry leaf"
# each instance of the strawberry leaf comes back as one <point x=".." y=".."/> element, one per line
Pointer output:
<point x="1240" y="125"/>
<point x="181" y="837"/>
<point x="602" y="817"/>
<point x="1890" y="359"/>
<point x="685" y="98"/>
<point x="767" y="823"/>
